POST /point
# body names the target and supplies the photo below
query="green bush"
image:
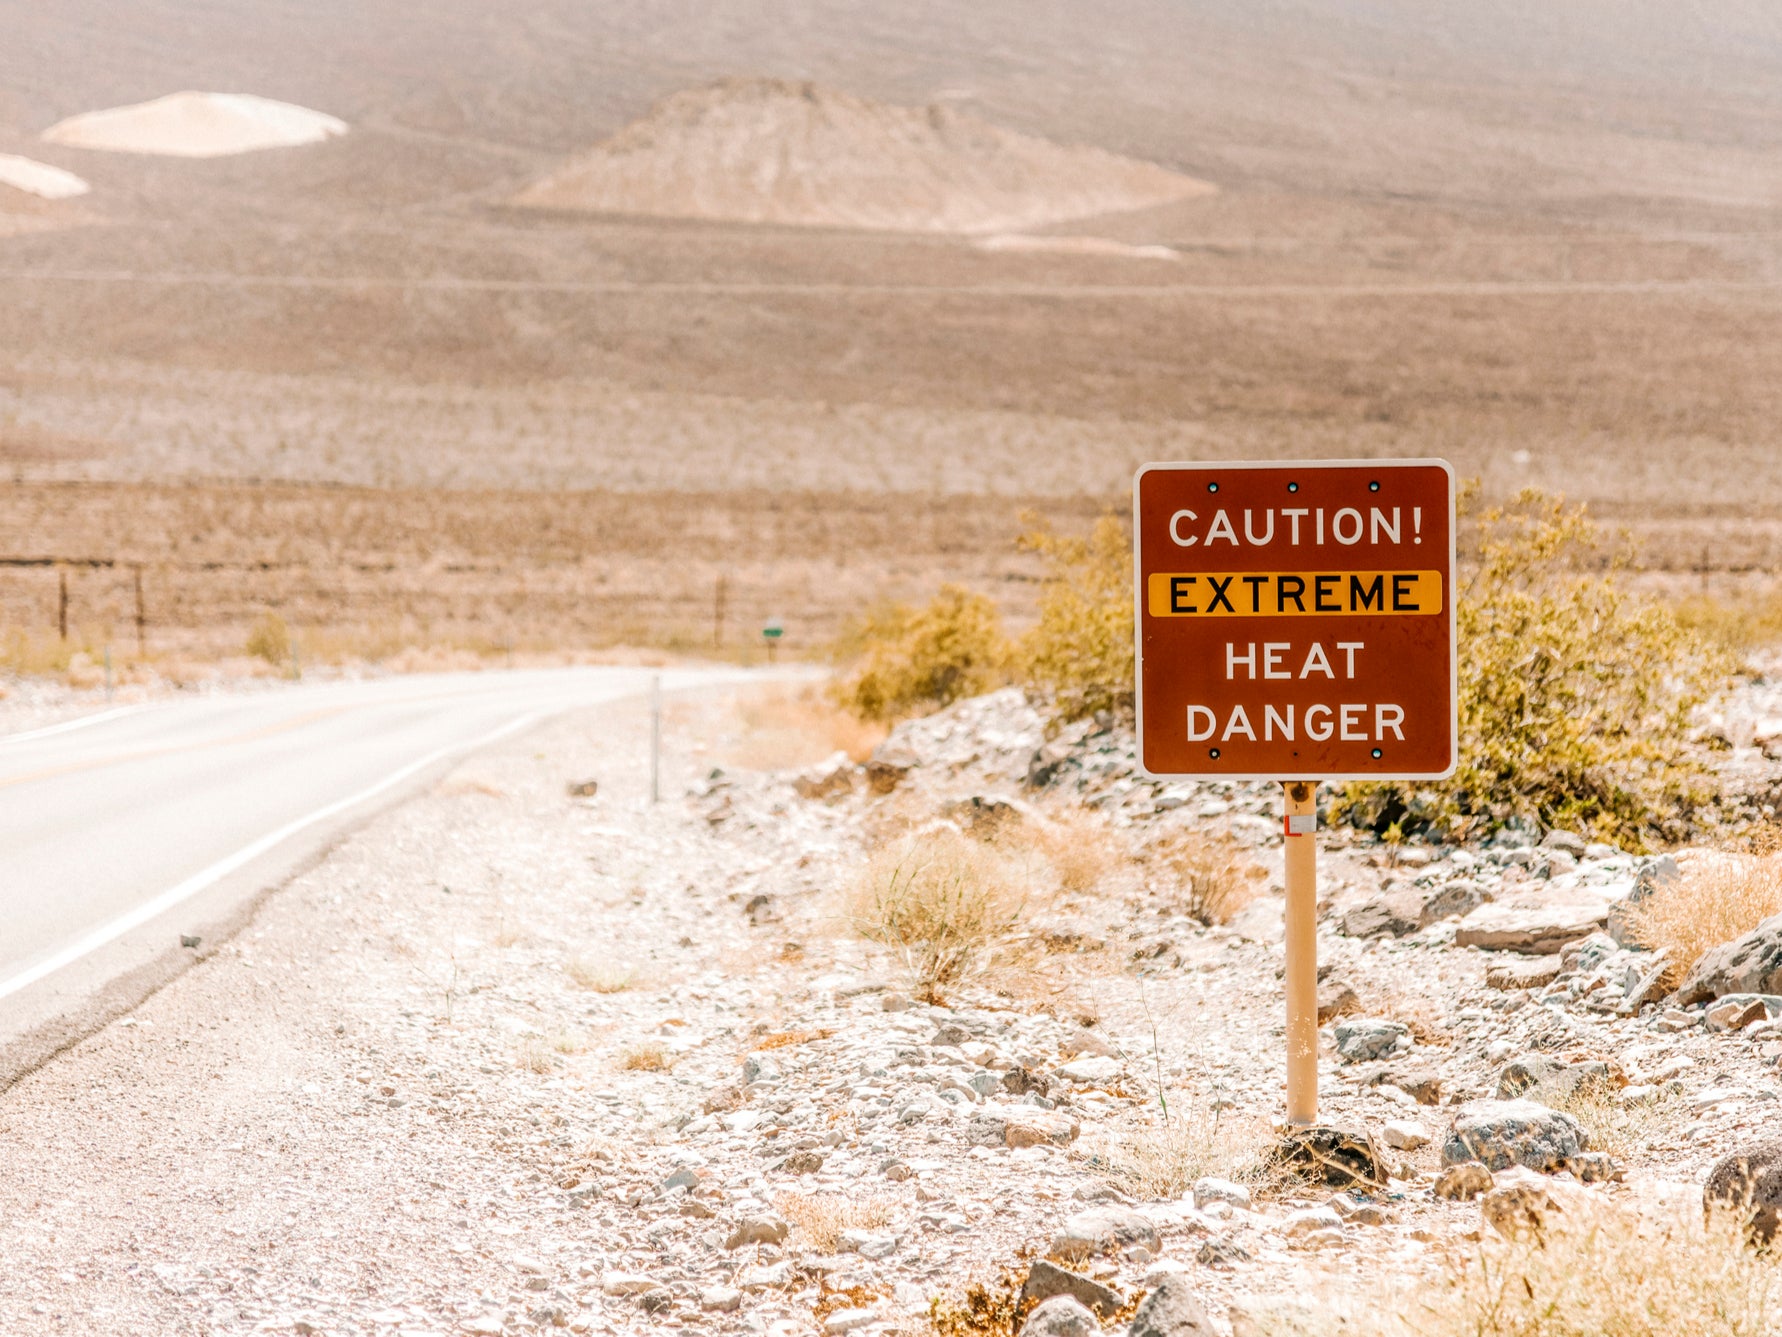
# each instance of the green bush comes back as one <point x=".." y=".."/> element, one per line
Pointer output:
<point x="908" y="661"/>
<point x="1574" y="696"/>
<point x="1080" y="651"/>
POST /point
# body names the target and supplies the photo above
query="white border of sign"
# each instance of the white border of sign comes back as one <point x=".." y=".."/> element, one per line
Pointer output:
<point x="1138" y="621"/>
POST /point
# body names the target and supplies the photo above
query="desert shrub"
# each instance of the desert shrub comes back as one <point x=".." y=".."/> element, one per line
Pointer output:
<point x="1614" y="1125"/>
<point x="1719" y="897"/>
<point x="1081" y="848"/>
<point x="1204" y="874"/>
<point x="534" y="1054"/>
<point x="598" y="974"/>
<point x="269" y="639"/>
<point x="820" y="1218"/>
<point x="1079" y="653"/>
<point x="1608" y="1272"/>
<point x="1575" y="697"/>
<point x="650" y="1056"/>
<point x="1163" y="1161"/>
<point x="940" y="899"/>
<point x="911" y="660"/>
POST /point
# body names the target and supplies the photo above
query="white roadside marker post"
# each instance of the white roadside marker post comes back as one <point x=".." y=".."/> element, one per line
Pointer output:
<point x="1300" y="850"/>
<point x="656" y="738"/>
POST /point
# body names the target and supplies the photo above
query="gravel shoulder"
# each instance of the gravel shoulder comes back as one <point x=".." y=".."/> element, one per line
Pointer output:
<point x="511" y="1059"/>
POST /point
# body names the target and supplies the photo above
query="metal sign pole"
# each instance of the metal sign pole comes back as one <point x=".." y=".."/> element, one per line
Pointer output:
<point x="1301" y="855"/>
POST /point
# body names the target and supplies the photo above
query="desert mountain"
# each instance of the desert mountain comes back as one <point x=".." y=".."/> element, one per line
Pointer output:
<point x="770" y="151"/>
<point x="196" y="125"/>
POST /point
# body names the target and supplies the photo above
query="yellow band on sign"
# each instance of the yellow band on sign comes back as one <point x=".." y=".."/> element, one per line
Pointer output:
<point x="1294" y="594"/>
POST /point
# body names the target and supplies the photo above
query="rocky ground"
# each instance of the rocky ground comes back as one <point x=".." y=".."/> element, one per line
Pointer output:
<point x="517" y="1058"/>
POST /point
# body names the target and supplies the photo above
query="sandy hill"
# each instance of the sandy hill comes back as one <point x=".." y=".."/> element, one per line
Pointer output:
<point x="39" y="178"/>
<point x="196" y="125"/>
<point x="768" y="151"/>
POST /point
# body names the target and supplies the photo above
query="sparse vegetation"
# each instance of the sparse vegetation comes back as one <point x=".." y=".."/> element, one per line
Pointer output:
<point x="942" y="900"/>
<point x="650" y="1056"/>
<point x="1211" y="883"/>
<point x="1079" y="846"/>
<point x="1574" y="696"/>
<point x="913" y="660"/>
<point x="1614" y="1125"/>
<point x="1721" y="896"/>
<point x="598" y="974"/>
<point x="1080" y="652"/>
<point x="820" y="1218"/>
<point x="1612" y="1273"/>
<point x="1163" y="1160"/>
<point x="787" y="1039"/>
<point x="270" y="639"/>
<point x="535" y="1054"/>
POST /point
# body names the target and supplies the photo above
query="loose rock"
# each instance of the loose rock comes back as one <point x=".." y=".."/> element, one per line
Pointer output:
<point x="1502" y="1133"/>
<point x="1171" y="1311"/>
<point x="1103" y="1230"/>
<point x="1749" y="1182"/>
<point x="1061" y="1316"/>
<point x="1046" y="1280"/>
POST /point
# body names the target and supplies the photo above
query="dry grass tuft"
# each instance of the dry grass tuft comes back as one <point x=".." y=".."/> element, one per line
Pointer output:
<point x="647" y="1057"/>
<point x="1720" y="897"/>
<point x="1081" y="848"/>
<point x="942" y="900"/>
<point x="820" y="1218"/>
<point x="600" y="976"/>
<point x="1164" y="1160"/>
<point x="1205" y="873"/>
<point x="569" y="1042"/>
<point x="785" y="1039"/>
<point x="1614" y="1126"/>
<point x="1613" y="1273"/>
<point x="535" y="1054"/>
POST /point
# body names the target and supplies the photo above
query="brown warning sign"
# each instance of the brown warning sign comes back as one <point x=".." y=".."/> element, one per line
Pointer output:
<point x="1296" y="621"/>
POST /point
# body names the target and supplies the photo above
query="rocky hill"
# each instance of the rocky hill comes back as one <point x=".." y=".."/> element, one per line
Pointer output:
<point x="769" y="151"/>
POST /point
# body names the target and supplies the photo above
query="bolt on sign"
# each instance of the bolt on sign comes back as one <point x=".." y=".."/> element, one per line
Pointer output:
<point x="1296" y="621"/>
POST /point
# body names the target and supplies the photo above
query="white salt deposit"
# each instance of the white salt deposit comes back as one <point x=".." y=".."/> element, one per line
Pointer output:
<point x="1020" y="243"/>
<point x="197" y="125"/>
<point x="39" y="178"/>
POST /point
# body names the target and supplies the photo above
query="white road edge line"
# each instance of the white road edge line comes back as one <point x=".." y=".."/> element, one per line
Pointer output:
<point x="68" y="726"/>
<point x="141" y="915"/>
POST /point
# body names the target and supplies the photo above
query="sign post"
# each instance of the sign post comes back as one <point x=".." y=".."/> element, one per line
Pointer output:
<point x="771" y="633"/>
<point x="1295" y="623"/>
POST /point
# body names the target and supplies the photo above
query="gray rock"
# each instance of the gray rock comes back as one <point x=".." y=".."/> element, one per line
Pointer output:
<point x="1103" y="1230"/>
<point x="1502" y="1133"/>
<point x="1045" y="1280"/>
<point x="1522" y="972"/>
<point x="1749" y="1182"/>
<point x="1650" y="987"/>
<point x="720" y="1300"/>
<point x="1535" y="923"/>
<point x="1359" y="1038"/>
<point x="1331" y="1155"/>
<point x="1459" y="1183"/>
<point x="1566" y="842"/>
<point x="1171" y="1311"/>
<point x="1221" y="1254"/>
<point x="757" y="1230"/>
<point x="1336" y="999"/>
<point x="1211" y="1189"/>
<point x="1543" y="1077"/>
<point x="1281" y="1316"/>
<point x="1653" y="873"/>
<point x="1061" y="1316"/>
<point x="1751" y="964"/>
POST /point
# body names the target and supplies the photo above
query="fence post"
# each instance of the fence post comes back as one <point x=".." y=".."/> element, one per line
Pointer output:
<point x="141" y="617"/>
<point x="62" y="602"/>
<point x="656" y="738"/>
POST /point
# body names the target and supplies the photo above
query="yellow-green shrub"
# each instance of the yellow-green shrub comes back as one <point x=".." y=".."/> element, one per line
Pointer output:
<point x="1080" y="651"/>
<point x="269" y="639"/>
<point x="911" y="660"/>
<point x="1574" y="696"/>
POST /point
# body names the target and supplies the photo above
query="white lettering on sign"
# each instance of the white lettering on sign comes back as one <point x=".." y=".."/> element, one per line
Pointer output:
<point x="1353" y="722"/>
<point x="1346" y="527"/>
<point x="1274" y="660"/>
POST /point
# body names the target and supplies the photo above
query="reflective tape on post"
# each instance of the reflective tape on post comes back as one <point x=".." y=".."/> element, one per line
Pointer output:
<point x="1302" y="823"/>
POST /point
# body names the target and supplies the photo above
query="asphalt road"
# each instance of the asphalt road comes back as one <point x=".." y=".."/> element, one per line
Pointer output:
<point x="123" y="830"/>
